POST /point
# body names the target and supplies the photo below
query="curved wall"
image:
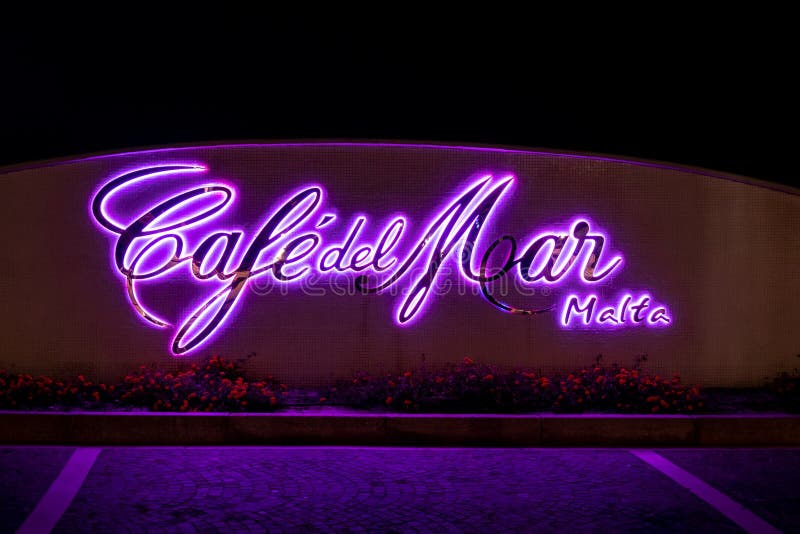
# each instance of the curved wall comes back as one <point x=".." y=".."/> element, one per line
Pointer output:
<point x="700" y="272"/>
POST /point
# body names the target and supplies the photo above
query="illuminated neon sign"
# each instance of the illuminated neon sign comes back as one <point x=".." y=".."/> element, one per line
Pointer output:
<point x="290" y="245"/>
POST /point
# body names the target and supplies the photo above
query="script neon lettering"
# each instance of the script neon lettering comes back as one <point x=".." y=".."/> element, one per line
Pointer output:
<point x="297" y="239"/>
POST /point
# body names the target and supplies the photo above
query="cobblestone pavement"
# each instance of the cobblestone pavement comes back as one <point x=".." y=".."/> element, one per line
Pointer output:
<point x="340" y="489"/>
<point x="767" y="482"/>
<point x="25" y="475"/>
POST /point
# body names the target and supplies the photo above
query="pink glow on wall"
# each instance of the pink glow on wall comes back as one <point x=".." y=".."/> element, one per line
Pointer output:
<point x="302" y="236"/>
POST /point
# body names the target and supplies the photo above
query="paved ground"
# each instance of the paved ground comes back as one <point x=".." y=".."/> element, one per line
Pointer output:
<point x="766" y="482"/>
<point x="309" y="489"/>
<point x="25" y="475"/>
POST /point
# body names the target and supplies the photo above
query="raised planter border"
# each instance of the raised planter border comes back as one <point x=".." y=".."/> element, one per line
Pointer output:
<point x="353" y="428"/>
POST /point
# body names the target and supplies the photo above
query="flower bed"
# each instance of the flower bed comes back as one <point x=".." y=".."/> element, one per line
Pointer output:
<point x="220" y="385"/>
<point x="786" y="388"/>
<point x="475" y="387"/>
<point x="213" y="385"/>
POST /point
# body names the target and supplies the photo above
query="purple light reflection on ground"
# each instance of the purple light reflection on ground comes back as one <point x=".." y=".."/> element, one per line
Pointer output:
<point x="402" y="489"/>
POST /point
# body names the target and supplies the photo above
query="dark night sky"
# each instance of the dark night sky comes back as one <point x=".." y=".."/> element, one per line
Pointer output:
<point x="711" y="93"/>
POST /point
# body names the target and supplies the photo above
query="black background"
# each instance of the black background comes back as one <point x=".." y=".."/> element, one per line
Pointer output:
<point x="715" y="93"/>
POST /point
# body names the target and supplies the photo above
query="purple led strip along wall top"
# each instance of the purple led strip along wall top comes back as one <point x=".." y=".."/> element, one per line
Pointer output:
<point x="289" y="245"/>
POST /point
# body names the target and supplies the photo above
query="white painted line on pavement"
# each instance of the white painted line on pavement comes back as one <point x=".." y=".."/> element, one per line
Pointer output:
<point x="724" y="504"/>
<point x="61" y="492"/>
